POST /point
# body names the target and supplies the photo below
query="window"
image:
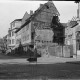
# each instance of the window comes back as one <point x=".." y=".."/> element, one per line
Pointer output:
<point x="13" y="24"/>
<point x="27" y="26"/>
<point x="9" y="41"/>
<point x="9" y="34"/>
<point x="12" y="41"/>
<point x="12" y="33"/>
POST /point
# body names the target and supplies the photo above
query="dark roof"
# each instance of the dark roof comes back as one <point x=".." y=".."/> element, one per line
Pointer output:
<point x="17" y="20"/>
<point x="72" y="24"/>
<point x="33" y="16"/>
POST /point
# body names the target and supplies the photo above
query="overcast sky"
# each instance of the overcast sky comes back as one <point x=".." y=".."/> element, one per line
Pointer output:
<point x="11" y="10"/>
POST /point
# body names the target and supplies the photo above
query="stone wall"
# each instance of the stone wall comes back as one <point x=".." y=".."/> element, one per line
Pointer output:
<point x="61" y="51"/>
<point x="55" y="50"/>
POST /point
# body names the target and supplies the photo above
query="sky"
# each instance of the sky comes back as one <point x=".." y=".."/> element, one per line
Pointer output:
<point x="12" y="9"/>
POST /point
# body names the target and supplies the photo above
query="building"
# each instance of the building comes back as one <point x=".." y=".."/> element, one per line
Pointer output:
<point x="39" y="22"/>
<point x="21" y="35"/>
<point x="72" y="32"/>
<point x="70" y="35"/>
<point x="11" y="32"/>
<point x="1" y="45"/>
<point x="5" y="42"/>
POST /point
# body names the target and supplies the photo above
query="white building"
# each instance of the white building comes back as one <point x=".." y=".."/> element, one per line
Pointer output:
<point x="12" y="36"/>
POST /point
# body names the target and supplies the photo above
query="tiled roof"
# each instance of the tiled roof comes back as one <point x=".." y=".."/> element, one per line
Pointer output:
<point x="36" y="12"/>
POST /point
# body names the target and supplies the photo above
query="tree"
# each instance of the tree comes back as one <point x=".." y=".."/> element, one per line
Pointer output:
<point x="77" y="1"/>
<point x="58" y="30"/>
<point x="20" y="49"/>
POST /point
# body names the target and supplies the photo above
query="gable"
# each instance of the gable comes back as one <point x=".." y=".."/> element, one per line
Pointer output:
<point x="72" y="24"/>
<point x="50" y="7"/>
<point x="42" y="14"/>
<point x="25" y="17"/>
<point x="47" y="12"/>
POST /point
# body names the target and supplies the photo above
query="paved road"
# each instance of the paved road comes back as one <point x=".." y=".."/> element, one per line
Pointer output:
<point x="46" y="68"/>
<point x="40" y="71"/>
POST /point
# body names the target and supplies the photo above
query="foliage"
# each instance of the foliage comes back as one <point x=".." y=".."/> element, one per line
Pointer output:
<point x="77" y="1"/>
<point x="58" y="30"/>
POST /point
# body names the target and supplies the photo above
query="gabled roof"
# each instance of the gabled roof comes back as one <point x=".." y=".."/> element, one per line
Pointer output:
<point x="55" y="11"/>
<point x="25" y="17"/>
<point x="16" y="20"/>
<point x="72" y="24"/>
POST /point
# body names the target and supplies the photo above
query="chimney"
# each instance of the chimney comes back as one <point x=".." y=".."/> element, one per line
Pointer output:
<point x="41" y="5"/>
<point x="31" y="12"/>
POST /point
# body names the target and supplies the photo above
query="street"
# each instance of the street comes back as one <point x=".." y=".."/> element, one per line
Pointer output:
<point x="40" y="40"/>
<point x="45" y="68"/>
<point x="39" y="71"/>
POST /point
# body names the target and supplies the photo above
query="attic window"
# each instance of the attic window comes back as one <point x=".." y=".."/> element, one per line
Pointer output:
<point x="47" y="6"/>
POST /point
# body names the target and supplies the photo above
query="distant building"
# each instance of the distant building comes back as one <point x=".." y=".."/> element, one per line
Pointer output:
<point x="71" y="32"/>
<point x="5" y="42"/>
<point x="1" y="45"/>
<point x="11" y="32"/>
<point x="21" y="35"/>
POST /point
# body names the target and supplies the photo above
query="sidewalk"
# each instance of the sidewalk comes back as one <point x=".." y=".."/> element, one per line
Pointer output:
<point x="53" y="59"/>
<point x="42" y="60"/>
